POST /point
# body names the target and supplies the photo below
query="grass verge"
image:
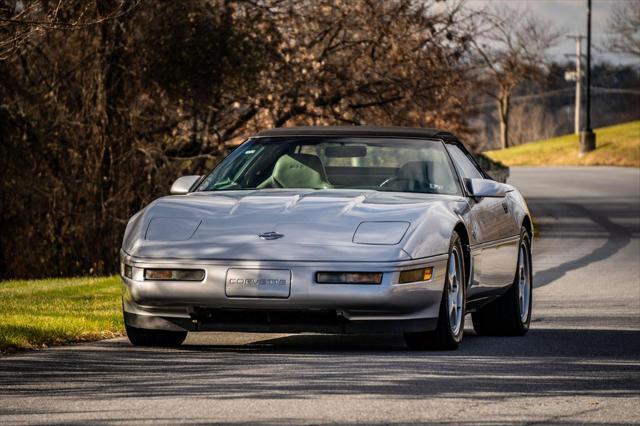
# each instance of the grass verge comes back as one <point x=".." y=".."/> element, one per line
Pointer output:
<point x="40" y="313"/>
<point x="617" y="145"/>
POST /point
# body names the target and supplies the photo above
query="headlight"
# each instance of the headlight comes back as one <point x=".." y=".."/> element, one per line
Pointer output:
<point x="415" y="275"/>
<point x="171" y="229"/>
<point x="349" y="277"/>
<point x="174" y="274"/>
<point x="382" y="233"/>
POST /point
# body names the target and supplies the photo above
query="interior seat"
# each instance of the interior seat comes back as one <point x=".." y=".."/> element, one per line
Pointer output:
<point x="297" y="171"/>
<point x="414" y="176"/>
<point x="422" y="176"/>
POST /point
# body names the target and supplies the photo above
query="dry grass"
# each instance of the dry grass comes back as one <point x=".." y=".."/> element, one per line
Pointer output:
<point x="617" y="145"/>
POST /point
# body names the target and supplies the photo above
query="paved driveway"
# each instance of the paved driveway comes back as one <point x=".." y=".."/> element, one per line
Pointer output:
<point x="579" y="364"/>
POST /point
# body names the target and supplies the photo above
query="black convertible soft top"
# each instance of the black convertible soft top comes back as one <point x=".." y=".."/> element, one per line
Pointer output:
<point x="364" y="131"/>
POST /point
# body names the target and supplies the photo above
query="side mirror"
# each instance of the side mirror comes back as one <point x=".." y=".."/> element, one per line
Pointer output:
<point x="486" y="188"/>
<point x="183" y="184"/>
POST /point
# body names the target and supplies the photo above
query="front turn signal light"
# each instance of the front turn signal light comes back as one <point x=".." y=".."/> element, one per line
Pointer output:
<point x="415" y="275"/>
<point x="127" y="271"/>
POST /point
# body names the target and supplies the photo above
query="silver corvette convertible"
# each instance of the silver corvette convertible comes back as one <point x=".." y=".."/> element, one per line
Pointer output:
<point x="332" y="230"/>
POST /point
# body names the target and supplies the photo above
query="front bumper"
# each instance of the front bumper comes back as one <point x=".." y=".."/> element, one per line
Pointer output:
<point x="310" y="307"/>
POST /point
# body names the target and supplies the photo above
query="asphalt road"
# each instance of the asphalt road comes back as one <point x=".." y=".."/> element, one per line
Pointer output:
<point x="580" y="363"/>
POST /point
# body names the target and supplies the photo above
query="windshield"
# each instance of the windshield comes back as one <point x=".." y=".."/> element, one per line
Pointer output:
<point x="382" y="164"/>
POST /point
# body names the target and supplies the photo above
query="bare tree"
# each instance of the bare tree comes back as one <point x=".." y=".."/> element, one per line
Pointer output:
<point x="532" y="121"/>
<point x="511" y="49"/>
<point x="103" y="104"/>
<point x="624" y="26"/>
<point x="362" y="61"/>
<point x="22" y="20"/>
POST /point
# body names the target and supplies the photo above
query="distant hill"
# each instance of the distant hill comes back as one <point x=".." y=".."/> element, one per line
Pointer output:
<point x="617" y="145"/>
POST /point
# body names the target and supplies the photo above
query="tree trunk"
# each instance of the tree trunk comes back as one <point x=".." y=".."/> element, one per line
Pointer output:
<point x="503" y="112"/>
<point x="113" y="51"/>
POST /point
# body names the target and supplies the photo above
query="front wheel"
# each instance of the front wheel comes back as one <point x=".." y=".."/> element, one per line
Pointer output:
<point x="450" y="329"/>
<point x="144" y="337"/>
<point x="510" y="315"/>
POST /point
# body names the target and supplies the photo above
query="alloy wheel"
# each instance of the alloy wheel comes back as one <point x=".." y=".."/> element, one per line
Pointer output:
<point x="524" y="282"/>
<point x="455" y="295"/>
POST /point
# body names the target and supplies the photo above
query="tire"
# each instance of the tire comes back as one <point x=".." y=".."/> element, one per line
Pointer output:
<point x="450" y="329"/>
<point x="510" y="314"/>
<point x="144" y="337"/>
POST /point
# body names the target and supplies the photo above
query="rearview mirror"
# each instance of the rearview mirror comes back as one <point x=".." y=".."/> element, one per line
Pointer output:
<point x="183" y="184"/>
<point x="486" y="188"/>
<point x="346" y="151"/>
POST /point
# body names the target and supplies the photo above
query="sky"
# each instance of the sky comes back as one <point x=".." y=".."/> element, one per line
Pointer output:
<point x="570" y="17"/>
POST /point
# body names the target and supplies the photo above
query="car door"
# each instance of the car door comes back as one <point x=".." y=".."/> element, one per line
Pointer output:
<point x="494" y="232"/>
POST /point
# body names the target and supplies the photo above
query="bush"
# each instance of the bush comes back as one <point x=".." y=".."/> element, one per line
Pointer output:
<point x="495" y="169"/>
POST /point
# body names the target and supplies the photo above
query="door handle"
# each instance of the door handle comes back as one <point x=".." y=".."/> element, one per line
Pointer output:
<point x="505" y="207"/>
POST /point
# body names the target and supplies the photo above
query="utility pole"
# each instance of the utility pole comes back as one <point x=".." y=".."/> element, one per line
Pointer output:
<point x="578" y="79"/>
<point x="587" y="137"/>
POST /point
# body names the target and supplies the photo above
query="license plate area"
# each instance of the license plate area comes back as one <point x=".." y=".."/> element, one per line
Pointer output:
<point x="268" y="283"/>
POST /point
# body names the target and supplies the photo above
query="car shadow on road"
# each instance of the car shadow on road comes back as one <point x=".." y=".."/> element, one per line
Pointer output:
<point x="548" y="362"/>
<point x="573" y="212"/>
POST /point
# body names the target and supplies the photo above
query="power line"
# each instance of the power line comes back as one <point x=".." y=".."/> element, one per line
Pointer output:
<point x="558" y="92"/>
<point x="614" y="90"/>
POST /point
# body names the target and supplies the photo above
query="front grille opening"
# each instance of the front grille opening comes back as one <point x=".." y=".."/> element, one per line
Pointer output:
<point x="267" y="317"/>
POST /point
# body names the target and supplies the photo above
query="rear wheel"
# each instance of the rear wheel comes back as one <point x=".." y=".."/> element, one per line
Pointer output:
<point x="510" y="315"/>
<point x="450" y="329"/>
<point x="144" y="337"/>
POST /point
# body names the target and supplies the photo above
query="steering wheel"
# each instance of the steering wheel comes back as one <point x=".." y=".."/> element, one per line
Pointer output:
<point x="397" y="182"/>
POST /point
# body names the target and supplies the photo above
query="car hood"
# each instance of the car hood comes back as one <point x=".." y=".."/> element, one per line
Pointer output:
<point x="315" y="225"/>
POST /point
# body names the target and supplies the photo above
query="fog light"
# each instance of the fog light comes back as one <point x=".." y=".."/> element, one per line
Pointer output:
<point x="349" y="277"/>
<point x="415" y="275"/>
<point x="174" y="274"/>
